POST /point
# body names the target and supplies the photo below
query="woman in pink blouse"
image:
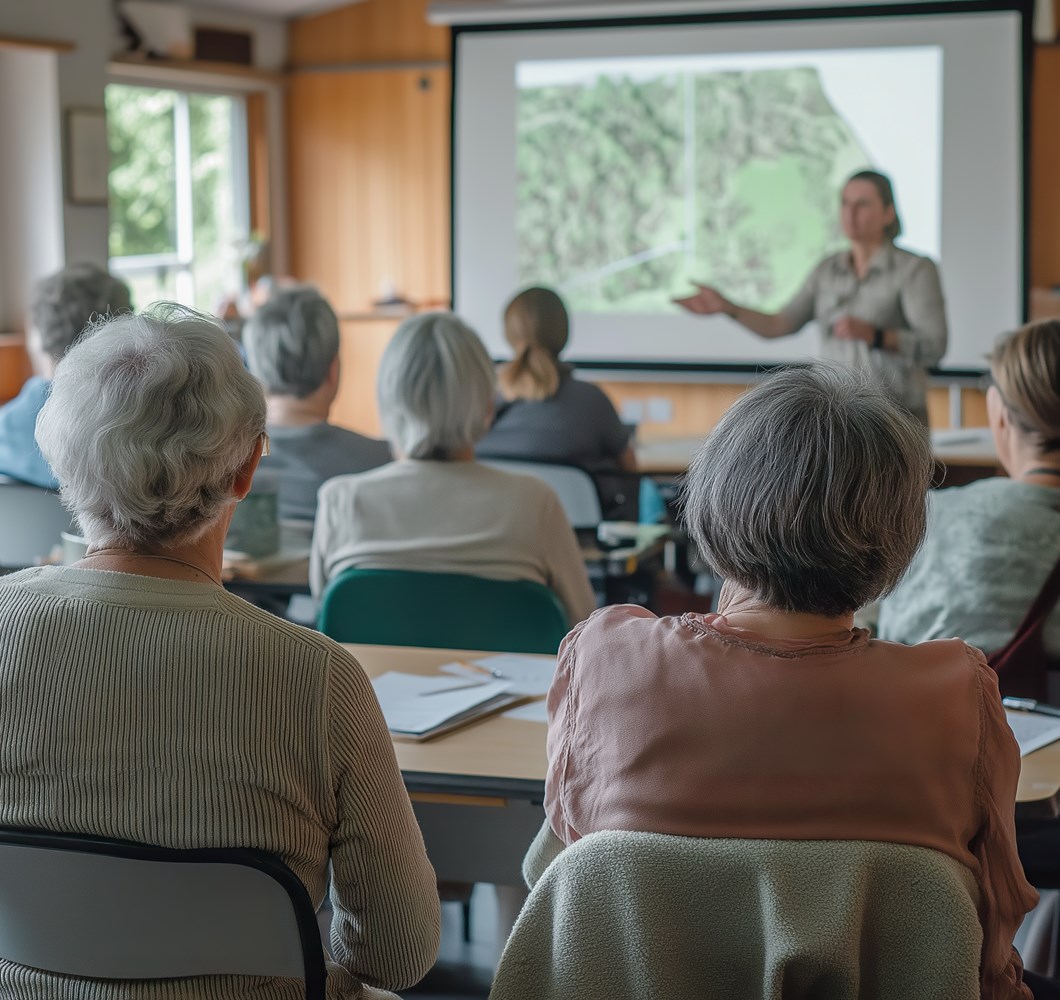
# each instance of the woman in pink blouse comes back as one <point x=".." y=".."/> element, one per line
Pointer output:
<point x="776" y="717"/>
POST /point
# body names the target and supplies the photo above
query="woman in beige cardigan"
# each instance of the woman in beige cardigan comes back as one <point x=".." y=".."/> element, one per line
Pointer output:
<point x="141" y="701"/>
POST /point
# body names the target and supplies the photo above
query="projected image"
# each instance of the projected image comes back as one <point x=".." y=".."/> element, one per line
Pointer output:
<point x="636" y="176"/>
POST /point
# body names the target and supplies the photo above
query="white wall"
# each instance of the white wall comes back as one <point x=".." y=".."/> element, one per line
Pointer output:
<point x="82" y="75"/>
<point x="31" y="225"/>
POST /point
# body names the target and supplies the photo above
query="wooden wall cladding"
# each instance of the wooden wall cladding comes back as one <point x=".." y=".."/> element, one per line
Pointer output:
<point x="374" y="31"/>
<point x="368" y="174"/>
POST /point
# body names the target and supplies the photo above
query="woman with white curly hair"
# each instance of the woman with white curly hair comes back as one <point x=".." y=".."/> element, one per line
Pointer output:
<point x="141" y="701"/>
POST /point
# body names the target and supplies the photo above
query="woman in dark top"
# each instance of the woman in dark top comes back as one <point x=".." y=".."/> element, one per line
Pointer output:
<point x="544" y="414"/>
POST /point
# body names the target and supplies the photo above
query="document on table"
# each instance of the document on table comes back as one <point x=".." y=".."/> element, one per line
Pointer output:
<point x="1033" y="730"/>
<point x="417" y="707"/>
<point x="527" y="675"/>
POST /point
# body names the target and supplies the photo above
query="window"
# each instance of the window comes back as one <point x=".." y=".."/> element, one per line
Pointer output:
<point x="179" y="212"/>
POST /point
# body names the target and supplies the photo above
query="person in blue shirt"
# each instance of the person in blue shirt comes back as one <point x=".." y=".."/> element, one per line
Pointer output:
<point x="60" y="308"/>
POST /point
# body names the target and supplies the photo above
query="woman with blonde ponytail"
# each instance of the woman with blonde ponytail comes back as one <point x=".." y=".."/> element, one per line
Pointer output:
<point x="544" y="414"/>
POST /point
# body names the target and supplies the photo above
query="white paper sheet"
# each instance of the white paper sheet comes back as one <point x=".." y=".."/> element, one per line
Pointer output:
<point x="529" y="675"/>
<point x="415" y="704"/>
<point x="532" y="711"/>
<point x="1033" y="730"/>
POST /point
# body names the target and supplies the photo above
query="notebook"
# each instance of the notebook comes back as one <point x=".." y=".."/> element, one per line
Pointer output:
<point x="418" y="708"/>
<point x="1033" y="730"/>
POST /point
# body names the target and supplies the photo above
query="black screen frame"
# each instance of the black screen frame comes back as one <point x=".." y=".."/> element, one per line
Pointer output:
<point x="1023" y="8"/>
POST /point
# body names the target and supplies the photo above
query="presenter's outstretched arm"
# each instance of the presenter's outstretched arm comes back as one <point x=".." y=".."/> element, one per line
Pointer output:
<point x="709" y="301"/>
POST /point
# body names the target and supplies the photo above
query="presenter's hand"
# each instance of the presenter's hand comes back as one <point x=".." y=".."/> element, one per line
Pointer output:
<point x="849" y="328"/>
<point x="706" y="302"/>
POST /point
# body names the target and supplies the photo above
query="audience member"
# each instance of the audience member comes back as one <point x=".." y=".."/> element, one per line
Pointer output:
<point x="436" y="509"/>
<point x="545" y="414"/>
<point x="60" y="307"/>
<point x="143" y="702"/>
<point x="775" y="717"/>
<point x="992" y="545"/>
<point x="292" y="347"/>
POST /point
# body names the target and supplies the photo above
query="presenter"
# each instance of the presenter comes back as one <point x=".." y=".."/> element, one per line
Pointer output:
<point x="878" y="308"/>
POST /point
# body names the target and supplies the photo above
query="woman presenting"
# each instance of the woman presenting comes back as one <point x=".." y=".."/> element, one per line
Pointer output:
<point x="879" y="308"/>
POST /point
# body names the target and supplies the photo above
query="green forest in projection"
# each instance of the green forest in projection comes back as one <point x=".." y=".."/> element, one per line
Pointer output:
<point x="631" y="187"/>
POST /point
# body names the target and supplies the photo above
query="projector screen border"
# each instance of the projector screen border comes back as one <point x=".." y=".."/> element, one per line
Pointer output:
<point x="885" y="8"/>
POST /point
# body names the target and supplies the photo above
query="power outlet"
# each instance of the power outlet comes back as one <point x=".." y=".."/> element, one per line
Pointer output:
<point x="632" y="411"/>
<point x="660" y="410"/>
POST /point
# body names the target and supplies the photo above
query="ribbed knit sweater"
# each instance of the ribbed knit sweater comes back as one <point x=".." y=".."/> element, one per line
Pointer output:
<point x="173" y="713"/>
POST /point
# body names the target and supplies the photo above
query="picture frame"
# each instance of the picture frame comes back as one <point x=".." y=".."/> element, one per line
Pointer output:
<point x="87" y="156"/>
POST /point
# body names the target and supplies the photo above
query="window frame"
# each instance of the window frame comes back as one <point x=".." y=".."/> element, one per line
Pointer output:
<point x="235" y="83"/>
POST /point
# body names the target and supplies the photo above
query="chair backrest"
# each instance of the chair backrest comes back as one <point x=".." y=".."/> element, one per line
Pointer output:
<point x="442" y="610"/>
<point x="575" y="488"/>
<point x="31" y="521"/>
<point x="638" y="916"/>
<point x="76" y="905"/>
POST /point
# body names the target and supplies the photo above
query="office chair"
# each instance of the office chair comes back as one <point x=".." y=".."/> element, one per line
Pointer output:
<point x="442" y="610"/>
<point x="31" y="521"/>
<point x="74" y="905"/>
<point x="576" y="489"/>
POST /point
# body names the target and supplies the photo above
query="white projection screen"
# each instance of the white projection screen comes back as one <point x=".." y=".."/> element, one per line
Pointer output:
<point x="618" y="162"/>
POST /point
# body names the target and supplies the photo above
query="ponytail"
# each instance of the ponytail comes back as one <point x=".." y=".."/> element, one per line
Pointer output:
<point x="532" y="374"/>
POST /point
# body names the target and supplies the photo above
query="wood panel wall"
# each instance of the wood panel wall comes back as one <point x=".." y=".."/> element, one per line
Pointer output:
<point x="369" y="192"/>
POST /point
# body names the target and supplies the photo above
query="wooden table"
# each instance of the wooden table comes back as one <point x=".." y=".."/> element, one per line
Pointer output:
<point x="478" y="791"/>
<point x="962" y="455"/>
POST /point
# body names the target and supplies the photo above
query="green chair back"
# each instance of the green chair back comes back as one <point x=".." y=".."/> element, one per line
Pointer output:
<point x="442" y="610"/>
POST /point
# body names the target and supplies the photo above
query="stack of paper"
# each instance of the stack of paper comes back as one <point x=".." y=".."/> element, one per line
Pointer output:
<point x="417" y="707"/>
<point x="1033" y="730"/>
<point x="526" y="675"/>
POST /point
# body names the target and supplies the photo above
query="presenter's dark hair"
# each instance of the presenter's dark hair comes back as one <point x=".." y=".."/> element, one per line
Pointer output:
<point x="882" y="184"/>
<point x="811" y="491"/>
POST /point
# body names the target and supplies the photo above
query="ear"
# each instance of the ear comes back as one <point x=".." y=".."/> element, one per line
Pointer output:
<point x="245" y="476"/>
<point x="996" y="411"/>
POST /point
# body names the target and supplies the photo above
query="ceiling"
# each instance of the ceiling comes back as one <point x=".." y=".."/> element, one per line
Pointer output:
<point x="277" y="8"/>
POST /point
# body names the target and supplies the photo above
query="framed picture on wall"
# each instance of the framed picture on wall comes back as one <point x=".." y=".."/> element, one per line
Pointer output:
<point x="87" y="156"/>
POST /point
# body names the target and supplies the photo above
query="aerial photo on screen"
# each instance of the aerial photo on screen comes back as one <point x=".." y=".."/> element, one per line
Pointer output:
<point x="635" y="177"/>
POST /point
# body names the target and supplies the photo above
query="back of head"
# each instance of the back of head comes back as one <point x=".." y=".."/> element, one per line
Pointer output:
<point x="811" y="491"/>
<point x="537" y="326"/>
<point x="63" y="304"/>
<point x="435" y="387"/>
<point x="1026" y="368"/>
<point x="149" y="420"/>
<point x="292" y="341"/>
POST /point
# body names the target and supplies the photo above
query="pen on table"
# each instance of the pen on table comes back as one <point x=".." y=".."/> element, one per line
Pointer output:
<point x="478" y="668"/>
<point x="446" y="690"/>
<point x="1030" y="705"/>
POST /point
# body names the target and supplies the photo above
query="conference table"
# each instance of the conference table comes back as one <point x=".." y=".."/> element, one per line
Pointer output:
<point x="963" y="454"/>
<point x="478" y="791"/>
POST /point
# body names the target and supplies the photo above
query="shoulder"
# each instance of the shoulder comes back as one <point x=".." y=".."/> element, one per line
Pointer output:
<point x="907" y="262"/>
<point x="287" y="640"/>
<point x="29" y="401"/>
<point x="340" y="488"/>
<point x="625" y="629"/>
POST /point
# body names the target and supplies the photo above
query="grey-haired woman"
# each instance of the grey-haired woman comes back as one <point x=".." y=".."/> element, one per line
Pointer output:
<point x="776" y="718"/>
<point x="140" y="701"/>
<point x="436" y="509"/>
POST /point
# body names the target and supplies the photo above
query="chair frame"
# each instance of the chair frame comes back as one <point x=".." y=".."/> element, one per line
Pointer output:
<point x="301" y="905"/>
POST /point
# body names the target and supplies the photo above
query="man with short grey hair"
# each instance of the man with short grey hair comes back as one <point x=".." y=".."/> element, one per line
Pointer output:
<point x="60" y="308"/>
<point x="292" y="345"/>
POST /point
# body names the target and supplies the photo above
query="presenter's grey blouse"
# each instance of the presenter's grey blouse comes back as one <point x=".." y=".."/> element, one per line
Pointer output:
<point x="902" y="292"/>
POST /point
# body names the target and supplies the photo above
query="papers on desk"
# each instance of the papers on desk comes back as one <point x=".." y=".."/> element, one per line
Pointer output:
<point x="530" y="676"/>
<point x="418" y="708"/>
<point x="1033" y="730"/>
